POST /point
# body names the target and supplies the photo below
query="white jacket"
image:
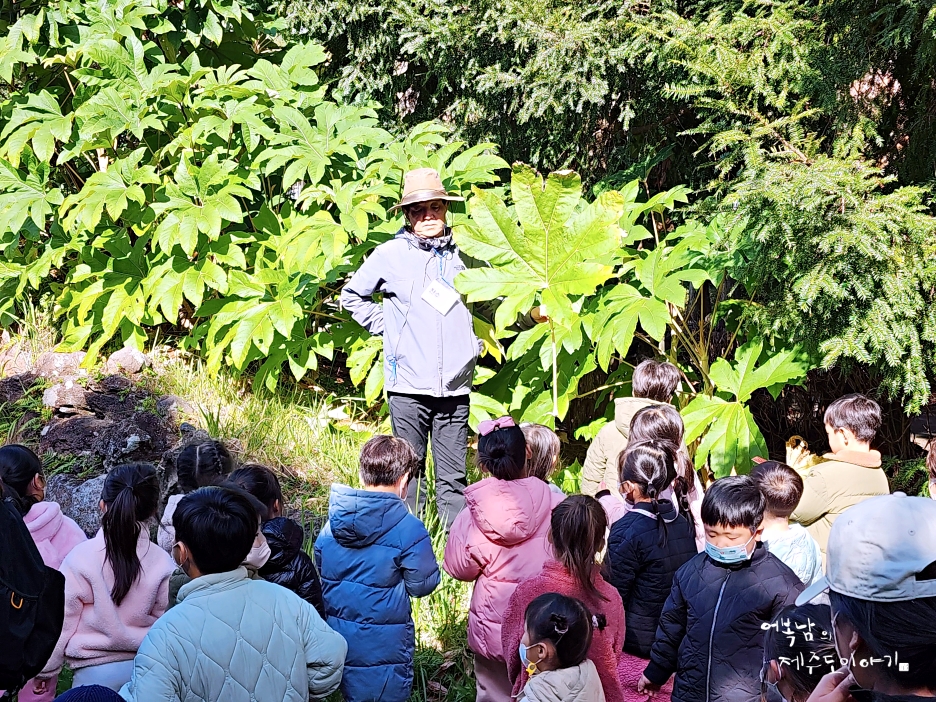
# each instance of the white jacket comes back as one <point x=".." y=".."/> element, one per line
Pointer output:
<point x="235" y="639"/>
<point x="579" y="683"/>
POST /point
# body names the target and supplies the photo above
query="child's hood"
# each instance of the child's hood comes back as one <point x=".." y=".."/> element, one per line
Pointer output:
<point x="509" y="512"/>
<point x="44" y="520"/>
<point x="576" y="684"/>
<point x="624" y="410"/>
<point x="285" y="539"/>
<point x="359" y="517"/>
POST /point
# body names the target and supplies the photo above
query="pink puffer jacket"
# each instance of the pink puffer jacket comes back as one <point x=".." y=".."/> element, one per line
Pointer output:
<point x="54" y="533"/>
<point x="498" y="540"/>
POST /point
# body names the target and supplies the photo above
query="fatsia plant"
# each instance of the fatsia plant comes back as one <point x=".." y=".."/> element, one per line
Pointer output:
<point x="550" y="251"/>
<point x="730" y="436"/>
<point x="179" y="164"/>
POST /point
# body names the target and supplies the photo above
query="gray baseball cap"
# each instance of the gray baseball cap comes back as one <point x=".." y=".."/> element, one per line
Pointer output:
<point x="877" y="548"/>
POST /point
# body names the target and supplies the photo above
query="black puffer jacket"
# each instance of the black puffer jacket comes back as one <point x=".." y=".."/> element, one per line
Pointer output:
<point x="289" y="565"/>
<point x="642" y="568"/>
<point x="710" y="629"/>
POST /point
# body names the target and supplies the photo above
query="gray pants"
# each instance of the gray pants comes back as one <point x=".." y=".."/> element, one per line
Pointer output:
<point x="416" y="418"/>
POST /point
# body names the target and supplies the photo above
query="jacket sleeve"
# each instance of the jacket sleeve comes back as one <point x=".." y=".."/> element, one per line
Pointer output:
<point x="593" y="470"/>
<point x="71" y="535"/>
<point x="420" y="570"/>
<point x="309" y="584"/>
<point x="790" y="586"/>
<point x="357" y="294"/>
<point x="814" y="503"/>
<point x="77" y="594"/>
<point x="664" y="653"/>
<point x="512" y="632"/>
<point x="458" y="560"/>
<point x="161" y="604"/>
<point x="622" y="563"/>
<point x="155" y="671"/>
<point x="325" y="652"/>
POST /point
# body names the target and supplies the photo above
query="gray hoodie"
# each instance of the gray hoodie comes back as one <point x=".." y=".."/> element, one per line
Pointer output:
<point x="577" y="684"/>
<point x="425" y="352"/>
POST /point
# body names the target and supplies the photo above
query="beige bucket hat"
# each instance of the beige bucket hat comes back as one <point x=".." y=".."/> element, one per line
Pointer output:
<point x="422" y="185"/>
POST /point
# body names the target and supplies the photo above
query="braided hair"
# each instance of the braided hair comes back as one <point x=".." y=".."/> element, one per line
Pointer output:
<point x="650" y="465"/>
<point x="203" y="464"/>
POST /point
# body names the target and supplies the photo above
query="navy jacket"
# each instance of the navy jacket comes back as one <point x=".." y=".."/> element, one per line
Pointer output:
<point x="711" y="633"/>
<point x="373" y="555"/>
<point x="641" y="567"/>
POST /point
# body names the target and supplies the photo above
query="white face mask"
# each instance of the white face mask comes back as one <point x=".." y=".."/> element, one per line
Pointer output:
<point x="259" y="554"/>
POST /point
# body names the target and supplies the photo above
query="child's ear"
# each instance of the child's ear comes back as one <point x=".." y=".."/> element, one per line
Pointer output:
<point x="759" y="533"/>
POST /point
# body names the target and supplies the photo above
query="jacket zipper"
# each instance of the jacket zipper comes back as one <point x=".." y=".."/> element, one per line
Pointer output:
<point x="708" y="670"/>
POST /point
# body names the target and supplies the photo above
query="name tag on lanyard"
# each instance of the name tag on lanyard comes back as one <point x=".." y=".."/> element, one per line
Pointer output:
<point x="441" y="297"/>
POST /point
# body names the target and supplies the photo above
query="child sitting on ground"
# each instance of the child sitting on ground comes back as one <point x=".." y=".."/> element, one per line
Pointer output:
<point x="499" y="540"/>
<point x="288" y="565"/>
<point x="197" y="465"/>
<point x="553" y="651"/>
<point x="232" y="638"/>
<point x="711" y="632"/>
<point x="849" y="474"/>
<point x="542" y="452"/>
<point x="577" y="534"/>
<point x="652" y="383"/>
<point x="791" y="543"/>
<point x="116" y="585"/>
<point x="54" y="534"/>
<point x="374" y="556"/>
<point x="645" y="549"/>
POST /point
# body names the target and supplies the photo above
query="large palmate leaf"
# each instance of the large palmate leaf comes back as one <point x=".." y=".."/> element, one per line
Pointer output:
<point x="730" y="437"/>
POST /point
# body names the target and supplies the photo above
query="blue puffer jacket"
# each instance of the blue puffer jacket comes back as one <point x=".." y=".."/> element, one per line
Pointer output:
<point x="373" y="555"/>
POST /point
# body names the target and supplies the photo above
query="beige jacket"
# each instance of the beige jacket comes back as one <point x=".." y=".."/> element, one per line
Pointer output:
<point x="601" y="460"/>
<point x="577" y="684"/>
<point x="829" y="488"/>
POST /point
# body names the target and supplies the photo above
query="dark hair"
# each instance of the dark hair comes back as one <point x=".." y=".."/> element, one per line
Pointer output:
<point x="544" y="447"/>
<point x="565" y="621"/>
<point x="577" y="528"/>
<point x="782" y="487"/>
<point x="654" y="380"/>
<point x="259" y="481"/>
<point x="664" y="423"/>
<point x="858" y="413"/>
<point x="386" y="459"/>
<point x="734" y="501"/>
<point x="650" y="465"/>
<point x="201" y="464"/>
<point x="811" y="640"/>
<point x="18" y="467"/>
<point x="218" y="525"/>
<point x="131" y="494"/>
<point x="502" y="453"/>
<point x="904" y="631"/>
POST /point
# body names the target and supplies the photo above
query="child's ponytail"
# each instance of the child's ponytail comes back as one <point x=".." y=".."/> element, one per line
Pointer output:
<point x="130" y="495"/>
<point x="502" y="449"/>
<point x="650" y="465"/>
<point x="18" y="467"/>
<point x="577" y="529"/>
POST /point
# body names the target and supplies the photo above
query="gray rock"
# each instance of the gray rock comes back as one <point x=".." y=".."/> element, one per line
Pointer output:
<point x="173" y="407"/>
<point x="79" y="500"/>
<point x="141" y="437"/>
<point x="13" y="388"/>
<point x="65" y="394"/>
<point x="127" y="360"/>
<point x="114" y="383"/>
<point x="57" y="365"/>
<point x="14" y="360"/>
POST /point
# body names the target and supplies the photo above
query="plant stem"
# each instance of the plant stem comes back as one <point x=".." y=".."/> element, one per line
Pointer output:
<point x="555" y="370"/>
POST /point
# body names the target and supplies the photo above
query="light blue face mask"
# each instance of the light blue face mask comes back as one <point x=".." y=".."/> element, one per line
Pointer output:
<point x="728" y="554"/>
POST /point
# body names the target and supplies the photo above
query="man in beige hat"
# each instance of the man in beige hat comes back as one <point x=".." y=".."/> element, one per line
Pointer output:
<point x="430" y="348"/>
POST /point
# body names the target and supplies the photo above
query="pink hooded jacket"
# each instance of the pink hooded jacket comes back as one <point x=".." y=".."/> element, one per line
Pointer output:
<point x="96" y="630"/>
<point x="498" y="540"/>
<point x="54" y="533"/>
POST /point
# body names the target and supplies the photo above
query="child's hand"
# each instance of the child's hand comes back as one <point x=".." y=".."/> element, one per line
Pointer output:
<point x="834" y="687"/>
<point x="40" y="686"/>
<point x="645" y="687"/>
